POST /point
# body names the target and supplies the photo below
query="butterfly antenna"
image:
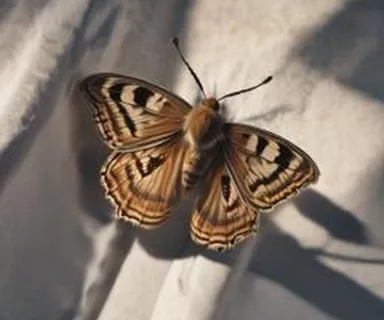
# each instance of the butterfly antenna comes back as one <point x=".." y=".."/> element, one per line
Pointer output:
<point x="232" y="94"/>
<point x="175" y="42"/>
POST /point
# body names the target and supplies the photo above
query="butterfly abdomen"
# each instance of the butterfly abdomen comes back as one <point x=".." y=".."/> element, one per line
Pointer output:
<point x="202" y="128"/>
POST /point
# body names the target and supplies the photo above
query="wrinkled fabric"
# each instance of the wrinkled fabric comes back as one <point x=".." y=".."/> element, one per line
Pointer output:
<point x="319" y="256"/>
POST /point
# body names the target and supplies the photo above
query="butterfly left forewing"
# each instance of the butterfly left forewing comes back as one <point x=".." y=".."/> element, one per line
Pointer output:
<point x="221" y="217"/>
<point x="131" y="113"/>
<point x="144" y="185"/>
<point x="266" y="167"/>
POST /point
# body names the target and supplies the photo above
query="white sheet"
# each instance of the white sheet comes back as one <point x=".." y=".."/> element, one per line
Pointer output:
<point x="319" y="256"/>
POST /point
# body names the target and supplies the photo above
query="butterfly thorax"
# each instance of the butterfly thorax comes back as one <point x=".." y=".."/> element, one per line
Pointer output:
<point x="203" y="125"/>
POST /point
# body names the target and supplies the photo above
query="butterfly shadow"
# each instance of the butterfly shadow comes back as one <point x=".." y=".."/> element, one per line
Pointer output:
<point x="171" y="239"/>
<point x="342" y="226"/>
<point x="279" y="257"/>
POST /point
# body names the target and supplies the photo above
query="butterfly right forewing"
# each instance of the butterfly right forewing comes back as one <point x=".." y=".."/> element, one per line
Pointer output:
<point x="131" y="113"/>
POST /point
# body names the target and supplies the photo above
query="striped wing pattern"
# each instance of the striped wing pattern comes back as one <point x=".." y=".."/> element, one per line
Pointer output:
<point x="221" y="218"/>
<point x="260" y="169"/>
<point x="143" y="185"/>
<point x="130" y="113"/>
<point x="249" y="170"/>
<point x="267" y="168"/>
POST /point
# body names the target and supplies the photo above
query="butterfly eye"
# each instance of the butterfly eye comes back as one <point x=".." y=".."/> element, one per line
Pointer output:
<point x="211" y="103"/>
<point x="216" y="106"/>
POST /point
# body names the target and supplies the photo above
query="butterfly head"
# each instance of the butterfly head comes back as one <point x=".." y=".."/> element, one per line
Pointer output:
<point x="211" y="103"/>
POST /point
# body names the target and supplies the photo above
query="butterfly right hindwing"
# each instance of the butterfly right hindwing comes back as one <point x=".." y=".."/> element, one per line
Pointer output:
<point x="221" y="217"/>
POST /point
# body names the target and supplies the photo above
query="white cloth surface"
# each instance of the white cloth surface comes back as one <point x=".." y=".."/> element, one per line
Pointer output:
<point x="319" y="256"/>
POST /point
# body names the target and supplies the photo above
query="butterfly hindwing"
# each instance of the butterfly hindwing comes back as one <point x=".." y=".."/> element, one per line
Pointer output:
<point x="266" y="167"/>
<point x="130" y="113"/>
<point x="221" y="217"/>
<point x="143" y="185"/>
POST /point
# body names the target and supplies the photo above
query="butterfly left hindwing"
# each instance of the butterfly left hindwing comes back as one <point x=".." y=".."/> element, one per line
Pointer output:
<point x="221" y="217"/>
<point x="143" y="185"/>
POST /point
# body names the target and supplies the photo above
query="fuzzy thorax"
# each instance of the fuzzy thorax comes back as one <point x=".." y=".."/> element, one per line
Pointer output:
<point x="202" y="126"/>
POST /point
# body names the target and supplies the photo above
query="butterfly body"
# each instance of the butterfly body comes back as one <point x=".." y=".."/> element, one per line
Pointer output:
<point x="203" y="125"/>
<point x="162" y="148"/>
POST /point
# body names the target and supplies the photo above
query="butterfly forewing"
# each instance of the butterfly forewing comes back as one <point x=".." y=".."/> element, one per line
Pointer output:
<point x="130" y="113"/>
<point x="266" y="167"/>
<point x="143" y="185"/>
<point x="221" y="217"/>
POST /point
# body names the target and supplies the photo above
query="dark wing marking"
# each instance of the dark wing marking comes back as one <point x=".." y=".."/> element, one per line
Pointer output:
<point x="131" y="113"/>
<point x="222" y="218"/>
<point x="266" y="167"/>
<point x="143" y="185"/>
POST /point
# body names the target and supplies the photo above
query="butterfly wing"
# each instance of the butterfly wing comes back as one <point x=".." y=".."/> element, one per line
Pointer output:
<point x="266" y="167"/>
<point x="255" y="170"/>
<point x="143" y="185"/>
<point x="221" y="217"/>
<point x="130" y="113"/>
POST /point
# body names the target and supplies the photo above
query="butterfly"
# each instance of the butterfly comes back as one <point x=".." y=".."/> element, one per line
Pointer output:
<point x="163" y="149"/>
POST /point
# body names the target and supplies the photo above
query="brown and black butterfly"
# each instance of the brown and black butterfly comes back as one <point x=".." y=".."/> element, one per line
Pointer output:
<point x="162" y="148"/>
